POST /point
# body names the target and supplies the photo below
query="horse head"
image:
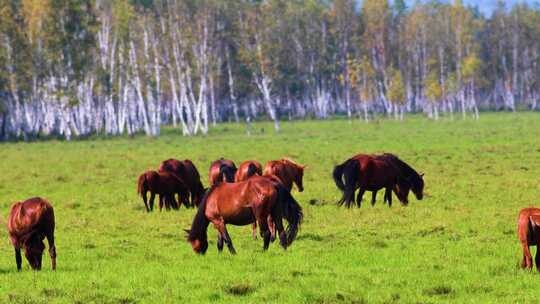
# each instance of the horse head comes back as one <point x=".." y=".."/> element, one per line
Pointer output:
<point x="298" y="173"/>
<point x="417" y="185"/>
<point x="33" y="251"/>
<point x="199" y="243"/>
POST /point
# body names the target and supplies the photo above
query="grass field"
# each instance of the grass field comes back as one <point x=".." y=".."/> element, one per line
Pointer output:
<point x="457" y="245"/>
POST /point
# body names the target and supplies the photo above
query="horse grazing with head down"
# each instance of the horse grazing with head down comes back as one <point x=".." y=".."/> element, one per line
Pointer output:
<point x="287" y="171"/>
<point x="189" y="174"/>
<point x="221" y="170"/>
<point x="375" y="172"/>
<point x="528" y="230"/>
<point x="29" y="223"/>
<point x="247" y="169"/>
<point x="166" y="185"/>
<point x="258" y="200"/>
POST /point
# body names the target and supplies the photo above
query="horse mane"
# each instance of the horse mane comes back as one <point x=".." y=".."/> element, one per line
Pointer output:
<point x="200" y="222"/>
<point x="403" y="166"/>
<point x="286" y="159"/>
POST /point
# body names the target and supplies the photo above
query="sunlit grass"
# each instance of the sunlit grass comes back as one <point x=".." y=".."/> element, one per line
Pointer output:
<point x="457" y="245"/>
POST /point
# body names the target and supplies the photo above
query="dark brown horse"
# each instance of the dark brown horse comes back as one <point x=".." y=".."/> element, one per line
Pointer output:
<point x="528" y="230"/>
<point x="164" y="184"/>
<point x="187" y="171"/>
<point x="287" y="171"/>
<point x="257" y="199"/>
<point x="221" y="170"/>
<point x="375" y="172"/>
<point x="248" y="169"/>
<point x="29" y="223"/>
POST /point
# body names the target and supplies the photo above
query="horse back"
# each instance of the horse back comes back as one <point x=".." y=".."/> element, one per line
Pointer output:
<point x="34" y="215"/>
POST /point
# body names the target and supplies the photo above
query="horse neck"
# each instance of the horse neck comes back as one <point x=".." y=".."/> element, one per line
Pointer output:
<point x="200" y="222"/>
<point x="405" y="169"/>
<point x="199" y="226"/>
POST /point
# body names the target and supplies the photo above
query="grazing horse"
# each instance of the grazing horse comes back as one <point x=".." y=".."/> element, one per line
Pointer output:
<point x="372" y="173"/>
<point x="248" y="169"/>
<point x="528" y="230"/>
<point x="166" y="185"/>
<point x="221" y="170"/>
<point x="257" y="199"/>
<point x="187" y="171"/>
<point x="287" y="171"/>
<point x="29" y="223"/>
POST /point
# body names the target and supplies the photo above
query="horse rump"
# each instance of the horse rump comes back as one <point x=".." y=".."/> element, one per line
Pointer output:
<point x="346" y="177"/>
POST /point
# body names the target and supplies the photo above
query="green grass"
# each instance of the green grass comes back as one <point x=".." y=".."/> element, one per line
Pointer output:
<point x="457" y="245"/>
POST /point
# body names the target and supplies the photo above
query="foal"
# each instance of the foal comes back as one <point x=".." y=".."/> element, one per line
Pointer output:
<point x="186" y="170"/>
<point x="166" y="185"/>
<point x="29" y="223"/>
<point x="528" y="230"/>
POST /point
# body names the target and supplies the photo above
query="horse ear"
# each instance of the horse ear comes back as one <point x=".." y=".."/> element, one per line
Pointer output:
<point x="187" y="231"/>
<point x="421" y="174"/>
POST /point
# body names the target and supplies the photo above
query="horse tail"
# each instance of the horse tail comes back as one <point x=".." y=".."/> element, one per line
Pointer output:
<point x="351" y="174"/>
<point x="142" y="184"/>
<point x="252" y="170"/>
<point x="338" y="176"/>
<point x="291" y="210"/>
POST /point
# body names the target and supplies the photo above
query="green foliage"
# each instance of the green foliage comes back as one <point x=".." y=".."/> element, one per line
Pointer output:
<point x="433" y="87"/>
<point x="471" y="67"/>
<point x="396" y="89"/>
<point x="457" y="245"/>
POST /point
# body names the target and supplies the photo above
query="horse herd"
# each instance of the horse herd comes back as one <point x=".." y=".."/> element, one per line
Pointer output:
<point x="247" y="195"/>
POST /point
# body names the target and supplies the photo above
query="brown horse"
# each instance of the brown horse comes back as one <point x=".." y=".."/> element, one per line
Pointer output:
<point x="29" y="223"/>
<point x="372" y="173"/>
<point x="248" y="169"/>
<point x="187" y="171"/>
<point x="221" y="170"/>
<point x="166" y="185"/>
<point x="257" y="199"/>
<point x="287" y="171"/>
<point x="528" y="230"/>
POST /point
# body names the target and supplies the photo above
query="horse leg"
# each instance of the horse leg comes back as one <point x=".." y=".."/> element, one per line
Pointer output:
<point x="388" y="196"/>
<point x="220" y="226"/>
<point x="184" y="199"/>
<point x="265" y="234"/>
<point x="527" y="256"/>
<point x="360" y="196"/>
<point x="254" y="232"/>
<point x="219" y="243"/>
<point x="278" y="221"/>
<point x="145" y="200"/>
<point x="152" y="197"/>
<point x="537" y="257"/>
<point x="18" y="258"/>
<point x="52" y="249"/>
<point x="373" y="198"/>
<point x="271" y="227"/>
<point x="160" y="202"/>
<point x="229" y="241"/>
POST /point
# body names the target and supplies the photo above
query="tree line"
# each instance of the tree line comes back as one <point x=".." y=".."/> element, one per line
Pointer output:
<point x="71" y="68"/>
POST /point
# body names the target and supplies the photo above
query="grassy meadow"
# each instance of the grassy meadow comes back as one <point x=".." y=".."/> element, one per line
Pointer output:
<point x="459" y="244"/>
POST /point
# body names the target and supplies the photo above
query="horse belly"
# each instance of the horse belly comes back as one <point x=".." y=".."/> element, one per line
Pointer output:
<point x="244" y="217"/>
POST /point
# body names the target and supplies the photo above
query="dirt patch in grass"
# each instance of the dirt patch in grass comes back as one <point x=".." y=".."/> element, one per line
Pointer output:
<point x="240" y="289"/>
<point x="440" y="290"/>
